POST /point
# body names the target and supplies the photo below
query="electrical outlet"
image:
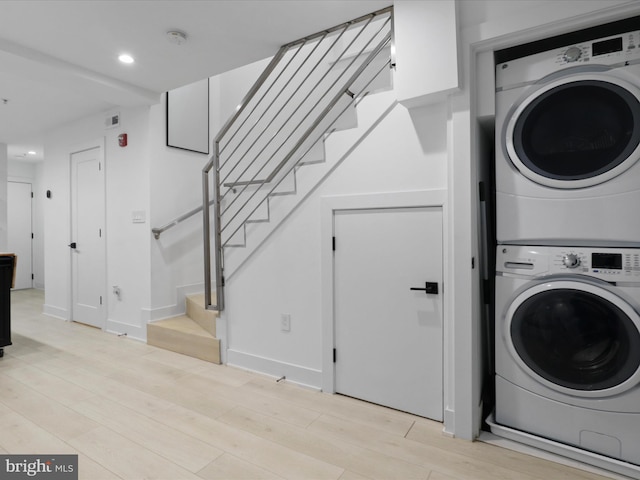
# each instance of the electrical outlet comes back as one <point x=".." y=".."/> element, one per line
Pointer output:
<point x="285" y="322"/>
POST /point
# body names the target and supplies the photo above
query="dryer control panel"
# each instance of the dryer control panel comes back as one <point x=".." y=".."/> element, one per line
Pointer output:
<point x="615" y="51"/>
<point x="607" y="50"/>
<point x="608" y="264"/>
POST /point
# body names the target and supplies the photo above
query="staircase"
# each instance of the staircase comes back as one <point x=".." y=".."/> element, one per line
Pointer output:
<point x="273" y="153"/>
<point x="193" y="334"/>
<point x="309" y="91"/>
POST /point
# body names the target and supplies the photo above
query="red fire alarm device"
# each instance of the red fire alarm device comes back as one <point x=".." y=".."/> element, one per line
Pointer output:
<point x="122" y="139"/>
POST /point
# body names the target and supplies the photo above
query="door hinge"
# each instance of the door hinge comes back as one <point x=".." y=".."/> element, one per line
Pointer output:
<point x="100" y="232"/>
<point x="333" y="243"/>
<point x="31" y="235"/>
<point x="31" y="194"/>
<point x="99" y="166"/>
<point x="32" y="276"/>
<point x="334" y="355"/>
<point x="100" y="299"/>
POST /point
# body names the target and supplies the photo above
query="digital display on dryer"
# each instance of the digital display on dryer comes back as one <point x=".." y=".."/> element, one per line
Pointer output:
<point x="610" y="261"/>
<point x="607" y="46"/>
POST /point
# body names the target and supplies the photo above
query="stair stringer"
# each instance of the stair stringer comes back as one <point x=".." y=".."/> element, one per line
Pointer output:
<point x="371" y="111"/>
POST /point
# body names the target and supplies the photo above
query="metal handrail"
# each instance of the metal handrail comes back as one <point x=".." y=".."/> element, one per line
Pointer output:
<point x="313" y="126"/>
<point x="287" y="102"/>
<point x="159" y="230"/>
<point x="291" y="167"/>
<point x="275" y="172"/>
<point x="285" y="164"/>
<point x="321" y="117"/>
<point x="257" y="122"/>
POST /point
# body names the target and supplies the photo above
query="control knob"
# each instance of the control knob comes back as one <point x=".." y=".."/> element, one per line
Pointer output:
<point x="571" y="260"/>
<point x="572" y="54"/>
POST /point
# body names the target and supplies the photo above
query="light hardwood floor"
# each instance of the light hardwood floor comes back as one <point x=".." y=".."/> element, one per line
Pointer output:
<point x="132" y="411"/>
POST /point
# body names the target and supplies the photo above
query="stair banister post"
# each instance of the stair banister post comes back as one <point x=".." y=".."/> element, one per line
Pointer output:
<point x="205" y="230"/>
<point x="218" y="233"/>
<point x="212" y="164"/>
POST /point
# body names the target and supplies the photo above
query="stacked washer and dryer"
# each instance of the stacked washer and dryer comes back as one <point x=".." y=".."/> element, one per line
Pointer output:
<point x="567" y="291"/>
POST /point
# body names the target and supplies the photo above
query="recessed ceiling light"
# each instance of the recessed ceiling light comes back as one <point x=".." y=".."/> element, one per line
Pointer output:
<point x="126" y="58"/>
<point x="31" y="152"/>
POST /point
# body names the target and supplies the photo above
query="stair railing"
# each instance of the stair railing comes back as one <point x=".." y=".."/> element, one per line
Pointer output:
<point x="301" y="96"/>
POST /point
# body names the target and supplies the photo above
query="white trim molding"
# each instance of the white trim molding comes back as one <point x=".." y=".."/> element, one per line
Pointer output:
<point x="297" y="374"/>
<point x="331" y="204"/>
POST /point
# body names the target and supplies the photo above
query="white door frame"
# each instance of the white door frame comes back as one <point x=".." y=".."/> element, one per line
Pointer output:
<point x="22" y="261"/>
<point x="328" y="205"/>
<point x="99" y="143"/>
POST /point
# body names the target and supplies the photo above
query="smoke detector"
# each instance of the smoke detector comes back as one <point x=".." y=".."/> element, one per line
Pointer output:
<point x="177" y="37"/>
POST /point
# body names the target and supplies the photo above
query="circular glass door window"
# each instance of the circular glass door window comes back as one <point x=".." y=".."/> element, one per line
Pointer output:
<point x="577" y="130"/>
<point x="576" y="339"/>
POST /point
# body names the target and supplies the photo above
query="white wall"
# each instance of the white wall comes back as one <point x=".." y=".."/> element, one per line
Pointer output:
<point x="177" y="256"/>
<point x="31" y="172"/>
<point x="406" y="151"/>
<point x="423" y="148"/>
<point x="127" y="190"/>
<point x="284" y="277"/>
<point x="3" y="197"/>
<point x="175" y="178"/>
<point x="426" y="36"/>
<point x="39" y="198"/>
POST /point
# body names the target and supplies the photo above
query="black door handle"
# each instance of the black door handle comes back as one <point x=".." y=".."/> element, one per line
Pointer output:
<point x="73" y="245"/>
<point x="429" y="288"/>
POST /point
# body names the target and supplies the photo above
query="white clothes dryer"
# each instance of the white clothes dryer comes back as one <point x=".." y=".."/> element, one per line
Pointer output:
<point x="567" y="346"/>
<point x="568" y="145"/>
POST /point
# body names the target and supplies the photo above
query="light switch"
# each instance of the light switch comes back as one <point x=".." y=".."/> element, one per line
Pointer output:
<point x="139" y="216"/>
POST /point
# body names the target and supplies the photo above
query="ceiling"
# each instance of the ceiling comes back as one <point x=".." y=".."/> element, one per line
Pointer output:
<point x="59" y="59"/>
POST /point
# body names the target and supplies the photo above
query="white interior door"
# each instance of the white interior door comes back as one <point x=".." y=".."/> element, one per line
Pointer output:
<point x="87" y="245"/>
<point x="19" y="231"/>
<point x="389" y="338"/>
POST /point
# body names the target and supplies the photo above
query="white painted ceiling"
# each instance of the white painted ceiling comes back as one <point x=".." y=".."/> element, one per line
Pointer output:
<point x="59" y="59"/>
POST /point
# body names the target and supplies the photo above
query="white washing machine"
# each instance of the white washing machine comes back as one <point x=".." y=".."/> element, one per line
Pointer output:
<point x="567" y="346"/>
<point x="568" y="145"/>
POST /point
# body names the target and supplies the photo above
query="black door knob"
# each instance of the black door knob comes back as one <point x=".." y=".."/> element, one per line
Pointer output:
<point x="429" y="287"/>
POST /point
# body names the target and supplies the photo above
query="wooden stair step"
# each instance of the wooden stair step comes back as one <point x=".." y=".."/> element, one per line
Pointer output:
<point x="184" y="335"/>
<point x="199" y="314"/>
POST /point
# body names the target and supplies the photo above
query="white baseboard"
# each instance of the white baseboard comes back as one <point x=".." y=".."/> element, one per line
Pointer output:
<point x="136" y="332"/>
<point x="449" y="422"/>
<point x="297" y="374"/>
<point x="149" y="315"/>
<point x="179" y="308"/>
<point x="56" y="312"/>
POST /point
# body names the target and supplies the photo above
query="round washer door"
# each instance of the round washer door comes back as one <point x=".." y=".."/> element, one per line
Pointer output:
<point x="576" y="131"/>
<point x="575" y="337"/>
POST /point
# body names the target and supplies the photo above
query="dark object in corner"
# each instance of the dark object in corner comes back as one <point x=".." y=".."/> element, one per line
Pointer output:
<point x="7" y="269"/>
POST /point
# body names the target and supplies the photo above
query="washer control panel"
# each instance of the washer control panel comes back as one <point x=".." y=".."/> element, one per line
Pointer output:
<point x="608" y="264"/>
<point x="616" y="51"/>
<point x="571" y="260"/>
